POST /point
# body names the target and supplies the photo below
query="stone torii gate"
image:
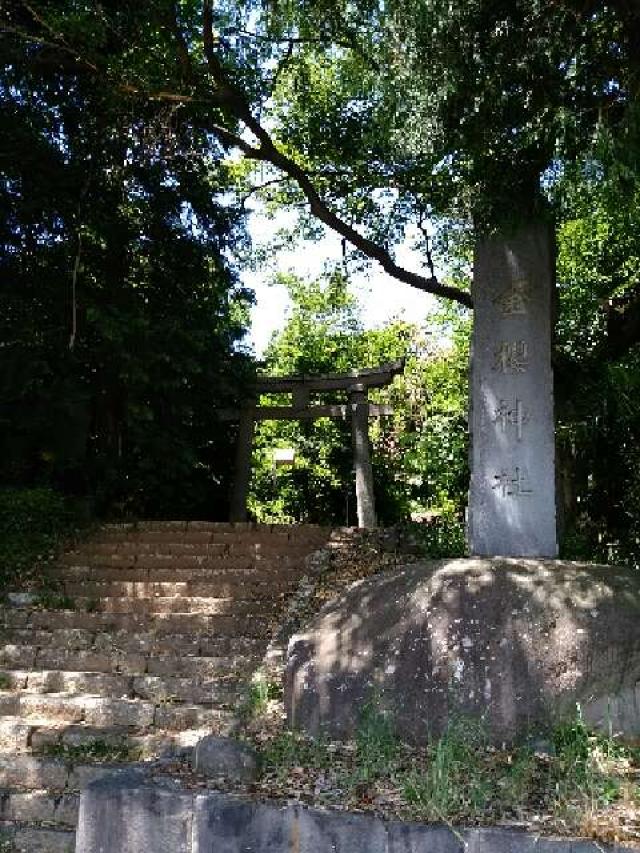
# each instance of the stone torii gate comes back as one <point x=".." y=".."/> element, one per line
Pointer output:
<point x="355" y="384"/>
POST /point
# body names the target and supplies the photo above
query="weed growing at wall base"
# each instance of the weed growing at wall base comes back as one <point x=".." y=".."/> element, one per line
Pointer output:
<point x="581" y="784"/>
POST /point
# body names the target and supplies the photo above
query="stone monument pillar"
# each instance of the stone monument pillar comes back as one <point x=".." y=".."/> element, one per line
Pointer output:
<point x="512" y="504"/>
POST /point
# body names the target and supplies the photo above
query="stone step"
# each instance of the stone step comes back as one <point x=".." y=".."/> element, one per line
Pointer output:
<point x="183" y="551"/>
<point x="234" y="573"/>
<point x="140" y="547"/>
<point x="35" y="839"/>
<point x="194" y="666"/>
<point x="241" y="531"/>
<point x="210" y="625"/>
<point x="122" y="642"/>
<point x="19" y="736"/>
<point x="15" y="735"/>
<point x="92" y="710"/>
<point x="80" y="660"/>
<point x="102" y="712"/>
<point x="191" y="552"/>
<point x="40" y="807"/>
<point x="194" y="688"/>
<point x="76" y="738"/>
<point x="280" y="565"/>
<point x="158" y="688"/>
<point x="155" y="688"/>
<point x="245" y="589"/>
<point x="202" y="667"/>
<point x="147" y="647"/>
<point x="178" y="718"/>
<point x="199" y="605"/>
<point x="37" y="773"/>
<point x="69" y="683"/>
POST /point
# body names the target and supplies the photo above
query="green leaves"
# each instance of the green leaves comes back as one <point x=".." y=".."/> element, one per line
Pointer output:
<point x="127" y="415"/>
<point x="419" y="454"/>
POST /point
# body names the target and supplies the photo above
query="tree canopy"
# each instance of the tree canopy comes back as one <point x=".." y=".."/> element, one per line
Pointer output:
<point x="419" y="454"/>
<point x="120" y="315"/>
<point x="144" y="128"/>
<point x="372" y="113"/>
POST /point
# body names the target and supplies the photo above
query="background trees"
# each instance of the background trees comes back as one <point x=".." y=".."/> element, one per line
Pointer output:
<point x="597" y="368"/>
<point x="433" y="118"/>
<point x="419" y="454"/>
<point x="120" y="316"/>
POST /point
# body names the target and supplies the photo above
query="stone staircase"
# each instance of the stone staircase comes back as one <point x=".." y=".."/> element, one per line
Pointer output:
<point x="148" y="644"/>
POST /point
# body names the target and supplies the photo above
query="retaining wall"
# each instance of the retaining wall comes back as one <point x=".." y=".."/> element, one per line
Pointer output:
<point x="128" y="813"/>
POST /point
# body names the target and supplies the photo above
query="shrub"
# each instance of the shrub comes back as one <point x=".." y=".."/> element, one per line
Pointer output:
<point x="33" y="524"/>
<point x="441" y="537"/>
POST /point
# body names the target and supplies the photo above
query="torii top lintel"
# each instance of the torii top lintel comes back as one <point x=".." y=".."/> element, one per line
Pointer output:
<point x="368" y="377"/>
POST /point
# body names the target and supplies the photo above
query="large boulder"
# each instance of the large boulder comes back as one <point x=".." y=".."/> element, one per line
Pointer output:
<point x="517" y="642"/>
<point x="225" y="758"/>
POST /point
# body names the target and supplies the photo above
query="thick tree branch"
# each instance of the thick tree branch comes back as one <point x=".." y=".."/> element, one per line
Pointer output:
<point x="55" y="39"/>
<point x="184" y="57"/>
<point x="230" y="98"/>
<point x="268" y="151"/>
<point x="350" y="42"/>
<point x="68" y="60"/>
<point x="232" y="140"/>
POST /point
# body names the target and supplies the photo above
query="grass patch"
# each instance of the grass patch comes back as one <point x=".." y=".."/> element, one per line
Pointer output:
<point x="262" y="691"/>
<point x="377" y="746"/>
<point x="94" y="752"/>
<point x="582" y="784"/>
<point x="291" y="752"/>
<point x="5" y="681"/>
<point x="453" y="783"/>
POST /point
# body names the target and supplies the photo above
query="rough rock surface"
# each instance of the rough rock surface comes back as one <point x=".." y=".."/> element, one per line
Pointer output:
<point x="515" y="641"/>
<point x="225" y="758"/>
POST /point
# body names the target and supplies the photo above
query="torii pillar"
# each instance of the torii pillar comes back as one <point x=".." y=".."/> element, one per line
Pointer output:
<point x="365" y="500"/>
<point x="242" y="476"/>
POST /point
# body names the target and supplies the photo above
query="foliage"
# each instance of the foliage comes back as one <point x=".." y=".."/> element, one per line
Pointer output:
<point x="378" y="115"/>
<point x="119" y="316"/>
<point x="427" y="118"/>
<point x="33" y="525"/>
<point x="439" y="537"/>
<point x="262" y="690"/>
<point x="418" y="455"/>
<point x="95" y="752"/>
<point x="597" y="362"/>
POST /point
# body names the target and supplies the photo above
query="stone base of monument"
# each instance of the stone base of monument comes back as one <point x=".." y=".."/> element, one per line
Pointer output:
<point x="517" y="643"/>
<point x="130" y="814"/>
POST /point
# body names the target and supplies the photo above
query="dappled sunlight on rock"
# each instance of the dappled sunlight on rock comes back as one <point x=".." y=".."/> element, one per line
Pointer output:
<point x="515" y="642"/>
